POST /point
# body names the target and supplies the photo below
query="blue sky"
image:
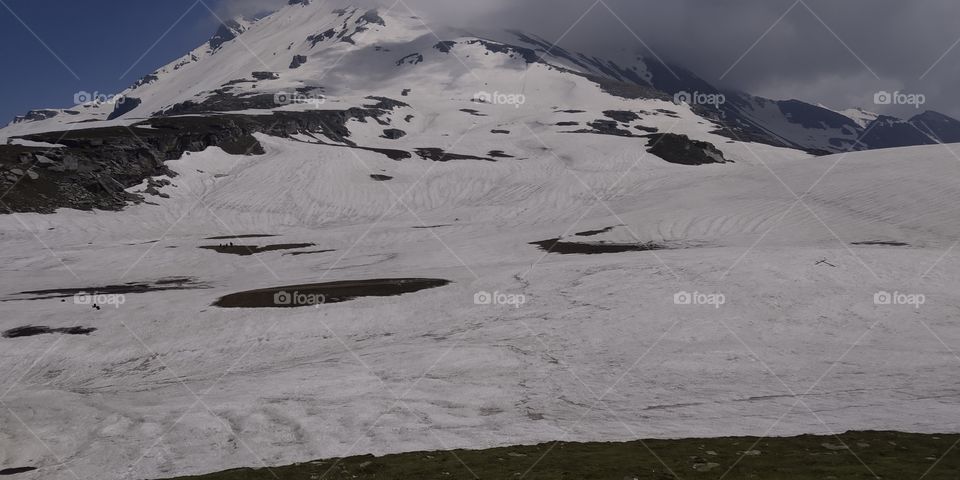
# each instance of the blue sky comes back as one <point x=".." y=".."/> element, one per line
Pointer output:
<point x="96" y="41"/>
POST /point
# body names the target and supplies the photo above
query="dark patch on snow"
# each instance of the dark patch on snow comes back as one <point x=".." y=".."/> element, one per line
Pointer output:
<point x="265" y="75"/>
<point x="572" y="111"/>
<point x="883" y="243"/>
<point x="405" y="92"/>
<point x="606" y="127"/>
<point x="381" y="178"/>
<point x="622" y="116"/>
<point x="326" y="293"/>
<point x="498" y="154"/>
<point x="590" y="233"/>
<point x="445" y="46"/>
<point x="647" y="129"/>
<point x="475" y="113"/>
<point x="16" y="470"/>
<point x="372" y="16"/>
<point x="555" y="245"/>
<point x="237" y="81"/>
<point x="315" y="39"/>
<point x="172" y="283"/>
<point x="30" y="331"/>
<point x="501" y="132"/>
<point x="297" y="61"/>
<point x="146" y="79"/>
<point x="439" y="155"/>
<point x="393" y="133"/>
<point x="234" y="237"/>
<point x="567" y="124"/>
<point x="680" y="149"/>
<point x="412" y="59"/>
<point x="308" y="252"/>
<point x="385" y="103"/>
<point x="247" y="250"/>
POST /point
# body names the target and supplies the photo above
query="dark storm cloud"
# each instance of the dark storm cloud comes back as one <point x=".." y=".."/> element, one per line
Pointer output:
<point x="836" y="52"/>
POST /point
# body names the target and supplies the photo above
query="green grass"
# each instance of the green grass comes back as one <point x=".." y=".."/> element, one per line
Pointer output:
<point x="887" y="455"/>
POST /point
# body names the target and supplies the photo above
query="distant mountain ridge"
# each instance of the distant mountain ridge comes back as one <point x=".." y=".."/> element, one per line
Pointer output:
<point x="787" y="123"/>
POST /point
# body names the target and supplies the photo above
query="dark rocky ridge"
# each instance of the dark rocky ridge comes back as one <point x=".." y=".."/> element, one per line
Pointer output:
<point x="99" y="163"/>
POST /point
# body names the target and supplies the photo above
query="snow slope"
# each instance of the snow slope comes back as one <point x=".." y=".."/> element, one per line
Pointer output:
<point x="170" y="385"/>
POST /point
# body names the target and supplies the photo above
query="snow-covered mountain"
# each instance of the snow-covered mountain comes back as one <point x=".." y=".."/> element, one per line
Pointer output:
<point x="309" y="53"/>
